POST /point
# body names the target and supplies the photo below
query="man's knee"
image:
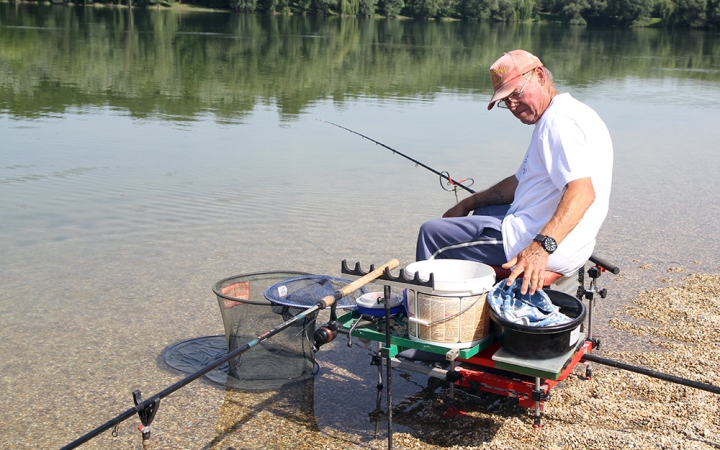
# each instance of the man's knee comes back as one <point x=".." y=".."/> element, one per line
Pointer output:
<point x="428" y="234"/>
<point x="431" y="224"/>
<point x="431" y="228"/>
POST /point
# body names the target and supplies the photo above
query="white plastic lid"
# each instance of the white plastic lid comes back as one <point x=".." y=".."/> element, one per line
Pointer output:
<point x="455" y="275"/>
<point x="370" y="300"/>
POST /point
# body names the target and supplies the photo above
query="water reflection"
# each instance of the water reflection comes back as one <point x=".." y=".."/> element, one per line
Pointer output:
<point x="181" y="66"/>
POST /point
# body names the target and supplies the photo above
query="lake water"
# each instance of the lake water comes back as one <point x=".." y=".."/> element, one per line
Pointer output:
<point x="145" y="155"/>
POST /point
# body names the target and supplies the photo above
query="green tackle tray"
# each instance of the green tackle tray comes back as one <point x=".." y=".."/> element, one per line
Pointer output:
<point x="403" y="343"/>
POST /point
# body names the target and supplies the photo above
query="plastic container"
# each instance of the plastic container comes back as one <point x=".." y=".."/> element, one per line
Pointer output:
<point x="368" y="304"/>
<point x="542" y="342"/>
<point x="455" y="276"/>
<point x="456" y="314"/>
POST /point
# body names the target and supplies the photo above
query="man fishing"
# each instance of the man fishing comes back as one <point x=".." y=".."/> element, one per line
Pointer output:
<point x="544" y="217"/>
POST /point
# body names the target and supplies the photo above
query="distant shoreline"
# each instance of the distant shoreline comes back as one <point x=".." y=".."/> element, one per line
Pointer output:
<point x="539" y="18"/>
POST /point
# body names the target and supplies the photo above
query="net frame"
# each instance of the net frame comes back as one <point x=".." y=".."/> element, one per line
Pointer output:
<point x="303" y="292"/>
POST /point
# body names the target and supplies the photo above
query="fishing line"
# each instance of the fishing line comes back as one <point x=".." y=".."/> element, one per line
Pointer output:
<point x="443" y="175"/>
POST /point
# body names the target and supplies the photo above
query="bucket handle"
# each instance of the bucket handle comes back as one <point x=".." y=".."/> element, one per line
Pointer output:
<point x="444" y="319"/>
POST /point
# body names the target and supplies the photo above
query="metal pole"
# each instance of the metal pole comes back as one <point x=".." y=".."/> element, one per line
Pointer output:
<point x="538" y="413"/>
<point x="378" y="400"/>
<point x="591" y="307"/>
<point x="652" y="373"/>
<point x="388" y="364"/>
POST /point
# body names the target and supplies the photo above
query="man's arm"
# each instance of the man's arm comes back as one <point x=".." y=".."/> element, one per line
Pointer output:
<point x="577" y="198"/>
<point x="501" y="193"/>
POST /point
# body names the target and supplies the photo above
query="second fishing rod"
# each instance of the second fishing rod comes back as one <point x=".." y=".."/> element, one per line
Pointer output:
<point x="443" y="175"/>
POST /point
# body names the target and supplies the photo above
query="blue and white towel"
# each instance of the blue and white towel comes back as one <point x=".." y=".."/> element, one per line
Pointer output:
<point x="532" y="310"/>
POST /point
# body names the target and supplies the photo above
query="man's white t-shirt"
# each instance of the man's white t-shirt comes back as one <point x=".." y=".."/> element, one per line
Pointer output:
<point x="569" y="142"/>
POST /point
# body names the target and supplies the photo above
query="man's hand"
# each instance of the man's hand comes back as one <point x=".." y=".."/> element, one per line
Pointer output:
<point x="532" y="262"/>
<point x="501" y="193"/>
<point x="576" y="200"/>
<point x="456" y="211"/>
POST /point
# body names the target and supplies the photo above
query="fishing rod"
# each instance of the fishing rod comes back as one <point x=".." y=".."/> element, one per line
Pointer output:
<point x="146" y="409"/>
<point x="442" y="175"/>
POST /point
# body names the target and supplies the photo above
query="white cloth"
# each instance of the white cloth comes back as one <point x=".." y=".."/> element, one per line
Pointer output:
<point x="569" y="142"/>
<point x="536" y="310"/>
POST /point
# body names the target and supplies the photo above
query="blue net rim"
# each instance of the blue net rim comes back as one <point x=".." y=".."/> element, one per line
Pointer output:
<point x="344" y="303"/>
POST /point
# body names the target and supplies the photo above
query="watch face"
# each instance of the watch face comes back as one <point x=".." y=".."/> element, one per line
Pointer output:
<point x="550" y="244"/>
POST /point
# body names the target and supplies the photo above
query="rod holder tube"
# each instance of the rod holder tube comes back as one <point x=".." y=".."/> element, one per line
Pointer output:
<point x="652" y="373"/>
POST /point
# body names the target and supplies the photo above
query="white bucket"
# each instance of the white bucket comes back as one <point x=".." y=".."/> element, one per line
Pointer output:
<point x="456" y="314"/>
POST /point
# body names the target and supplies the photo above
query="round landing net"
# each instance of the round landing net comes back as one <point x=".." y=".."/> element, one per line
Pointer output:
<point x="247" y="313"/>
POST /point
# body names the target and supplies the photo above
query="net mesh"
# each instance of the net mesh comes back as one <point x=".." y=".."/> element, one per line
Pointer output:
<point x="251" y="305"/>
<point x="285" y="357"/>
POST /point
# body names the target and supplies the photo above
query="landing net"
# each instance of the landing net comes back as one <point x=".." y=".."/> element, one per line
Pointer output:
<point x="250" y="305"/>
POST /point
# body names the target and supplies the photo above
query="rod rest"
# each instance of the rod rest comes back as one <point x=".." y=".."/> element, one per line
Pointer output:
<point x="612" y="268"/>
<point x="387" y="276"/>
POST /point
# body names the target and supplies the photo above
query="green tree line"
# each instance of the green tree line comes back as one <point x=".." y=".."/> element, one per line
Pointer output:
<point x="160" y="63"/>
<point x="618" y="13"/>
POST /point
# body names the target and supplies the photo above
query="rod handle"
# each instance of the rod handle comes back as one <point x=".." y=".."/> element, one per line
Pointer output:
<point x="357" y="284"/>
<point x="612" y="268"/>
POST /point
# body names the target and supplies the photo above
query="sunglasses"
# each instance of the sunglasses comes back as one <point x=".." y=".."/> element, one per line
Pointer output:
<point x="514" y="98"/>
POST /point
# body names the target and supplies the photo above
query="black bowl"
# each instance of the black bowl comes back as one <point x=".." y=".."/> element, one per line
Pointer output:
<point x="542" y="342"/>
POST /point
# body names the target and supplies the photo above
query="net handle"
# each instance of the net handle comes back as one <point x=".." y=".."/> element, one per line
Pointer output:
<point x="357" y="284"/>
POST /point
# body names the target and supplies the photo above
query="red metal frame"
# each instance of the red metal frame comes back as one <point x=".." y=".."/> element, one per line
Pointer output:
<point x="507" y="385"/>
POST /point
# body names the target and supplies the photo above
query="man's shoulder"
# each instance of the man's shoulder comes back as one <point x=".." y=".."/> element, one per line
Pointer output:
<point x="565" y="110"/>
<point x="565" y="105"/>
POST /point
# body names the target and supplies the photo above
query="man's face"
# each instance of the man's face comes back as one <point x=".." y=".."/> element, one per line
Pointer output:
<point x="527" y="106"/>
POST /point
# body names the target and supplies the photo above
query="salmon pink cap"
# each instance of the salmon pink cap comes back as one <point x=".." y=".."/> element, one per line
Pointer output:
<point x="509" y="67"/>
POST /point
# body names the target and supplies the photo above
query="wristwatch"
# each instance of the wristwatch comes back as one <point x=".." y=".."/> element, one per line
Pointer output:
<point x="547" y="243"/>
